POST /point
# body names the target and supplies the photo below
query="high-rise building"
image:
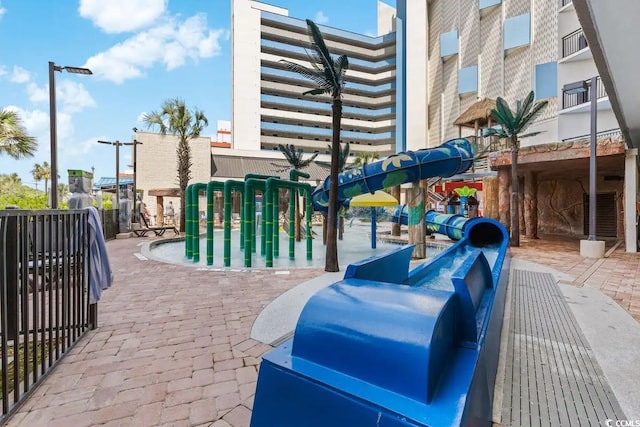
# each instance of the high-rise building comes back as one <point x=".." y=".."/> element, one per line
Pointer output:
<point x="434" y="73"/>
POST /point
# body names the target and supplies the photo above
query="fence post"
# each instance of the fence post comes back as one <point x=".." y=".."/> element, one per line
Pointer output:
<point x="11" y="273"/>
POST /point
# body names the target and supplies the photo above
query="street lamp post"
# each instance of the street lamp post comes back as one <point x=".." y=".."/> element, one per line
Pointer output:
<point x="117" y="145"/>
<point x="53" y="127"/>
<point x="590" y="247"/>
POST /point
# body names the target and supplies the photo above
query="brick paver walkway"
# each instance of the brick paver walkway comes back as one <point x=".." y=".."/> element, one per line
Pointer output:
<point x="173" y="347"/>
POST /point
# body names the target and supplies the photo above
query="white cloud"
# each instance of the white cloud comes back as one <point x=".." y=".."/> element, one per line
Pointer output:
<point x="3" y="70"/>
<point x="74" y="96"/>
<point x="117" y="16"/>
<point x="37" y="93"/>
<point x="140" y="118"/>
<point x="20" y="75"/>
<point x="2" y="11"/>
<point x="320" y="18"/>
<point x="170" y="43"/>
<point x="37" y="124"/>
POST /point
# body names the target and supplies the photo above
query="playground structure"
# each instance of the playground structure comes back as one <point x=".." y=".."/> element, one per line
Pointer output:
<point x="450" y="158"/>
<point x="393" y="347"/>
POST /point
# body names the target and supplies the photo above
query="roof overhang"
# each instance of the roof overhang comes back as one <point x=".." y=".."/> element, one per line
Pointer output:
<point x="612" y="30"/>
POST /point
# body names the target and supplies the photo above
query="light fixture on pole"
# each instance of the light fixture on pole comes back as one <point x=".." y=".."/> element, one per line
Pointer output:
<point x="591" y="247"/>
<point x="53" y="124"/>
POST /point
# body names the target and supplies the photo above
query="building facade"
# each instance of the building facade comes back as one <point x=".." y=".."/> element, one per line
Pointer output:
<point x="268" y="107"/>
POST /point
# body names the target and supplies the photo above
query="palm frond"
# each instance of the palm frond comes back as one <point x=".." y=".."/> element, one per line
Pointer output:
<point x="317" y="77"/>
<point x="530" y="134"/>
<point x="317" y="41"/>
<point x="523" y="108"/>
<point x="317" y="91"/>
<point x="526" y="121"/>
<point x="505" y="111"/>
<point x="342" y="65"/>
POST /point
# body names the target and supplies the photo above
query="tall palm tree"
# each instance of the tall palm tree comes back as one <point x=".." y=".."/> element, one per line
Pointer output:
<point x="344" y="157"/>
<point x="328" y="74"/>
<point x="45" y="175"/>
<point x="36" y="173"/>
<point x="512" y="124"/>
<point x="176" y="119"/>
<point x="14" y="140"/>
<point x="295" y="158"/>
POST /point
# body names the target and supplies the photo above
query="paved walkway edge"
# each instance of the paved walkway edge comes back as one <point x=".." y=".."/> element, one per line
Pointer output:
<point x="614" y="337"/>
<point x="278" y="319"/>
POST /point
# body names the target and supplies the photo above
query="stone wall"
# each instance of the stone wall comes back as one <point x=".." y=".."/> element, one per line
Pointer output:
<point x="560" y="204"/>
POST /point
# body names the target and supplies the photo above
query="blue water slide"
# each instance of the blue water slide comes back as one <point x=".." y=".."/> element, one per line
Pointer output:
<point x="393" y="346"/>
<point x="450" y="225"/>
<point x="450" y="158"/>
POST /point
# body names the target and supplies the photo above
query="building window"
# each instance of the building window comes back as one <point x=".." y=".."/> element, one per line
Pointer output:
<point x="488" y="3"/>
<point x="546" y="80"/>
<point x="449" y="43"/>
<point x="468" y="79"/>
<point x="517" y="31"/>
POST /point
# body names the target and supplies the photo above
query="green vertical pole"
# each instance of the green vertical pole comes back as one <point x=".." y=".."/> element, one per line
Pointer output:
<point x="248" y="191"/>
<point x="195" y="207"/>
<point x="253" y="223"/>
<point x="187" y="223"/>
<point x="269" y="225"/>
<point x="210" y="214"/>
<point x="275" y="222"/>
<point x="309" y="210"/>
<point x="292" y="222"/>
<point x="242" y="219"/>
<point x="227" y="224"/>
<point x="263" y="225"/>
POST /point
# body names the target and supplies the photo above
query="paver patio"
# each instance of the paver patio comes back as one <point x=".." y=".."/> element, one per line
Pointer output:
<point x="173" y="346"/>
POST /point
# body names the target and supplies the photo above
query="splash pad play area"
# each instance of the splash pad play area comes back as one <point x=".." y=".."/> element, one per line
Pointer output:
<point x="451" y="158"/>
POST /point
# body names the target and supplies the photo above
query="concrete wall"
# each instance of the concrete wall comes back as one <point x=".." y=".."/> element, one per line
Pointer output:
<point x="416" y="74"/>
<point x="157" y="165"/>
<point x="386" y="19"/>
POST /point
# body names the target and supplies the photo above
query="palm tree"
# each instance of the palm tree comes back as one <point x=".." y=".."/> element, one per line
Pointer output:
<point x="344" y="156"/>
<point x="36" y="172"/>
<point x="45" y="175"/>
<point x="511" y="125"/>
<point x="176" y="119"/>
<point x="329" y="76"/>
<point x="14" y="140"/>
<point x="365" y="158"/>
<point x="295" y="159"/>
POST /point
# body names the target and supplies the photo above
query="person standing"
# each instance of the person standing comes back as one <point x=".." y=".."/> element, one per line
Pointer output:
<point x="170" y="213"/>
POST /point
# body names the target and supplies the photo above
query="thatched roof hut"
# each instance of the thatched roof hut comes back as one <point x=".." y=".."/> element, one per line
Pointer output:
<point x="478" y="115"/>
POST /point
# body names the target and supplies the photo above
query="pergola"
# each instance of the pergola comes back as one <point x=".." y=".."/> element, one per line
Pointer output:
<point x="160" y="194"/>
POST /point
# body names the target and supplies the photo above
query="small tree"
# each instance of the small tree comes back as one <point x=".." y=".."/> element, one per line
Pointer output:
<point x="365" y="158"/>
<point x="512" y="124"/>
<point x="328" y="74"/>
<point x="176" y="119"/>
<point x="296" y="161"/>
<point x="14" y="140"/>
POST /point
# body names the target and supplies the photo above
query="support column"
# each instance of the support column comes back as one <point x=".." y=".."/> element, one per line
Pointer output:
<point x="531" y="205"/>
<point x="415" y="202"/>
<point x="395" y="227"/>
<point x="159" y="210"/>
<point x="490" y="206"/>
<point x="521" y="203"/>
<point x="504" y="197"/>
<point x="631" y="200"/>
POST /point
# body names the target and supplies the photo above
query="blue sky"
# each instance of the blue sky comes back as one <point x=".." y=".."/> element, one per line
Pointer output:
<point x="141" y="52"/>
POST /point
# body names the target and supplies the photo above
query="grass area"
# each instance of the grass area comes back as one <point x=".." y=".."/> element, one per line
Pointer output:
<point x="20" y="360"/>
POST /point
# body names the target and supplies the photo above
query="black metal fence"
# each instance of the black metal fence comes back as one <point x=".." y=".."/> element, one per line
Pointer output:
<point x="572" y="99"/>
<point x="573" y="42"/>
<point x="44" y="295"/>
<point x="109" y="219"/>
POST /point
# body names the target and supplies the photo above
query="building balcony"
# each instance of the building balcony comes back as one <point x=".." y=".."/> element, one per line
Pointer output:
<point x="581" y="102"/>
<point x="574" y="44"/>
<point x="566" y="5"/>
